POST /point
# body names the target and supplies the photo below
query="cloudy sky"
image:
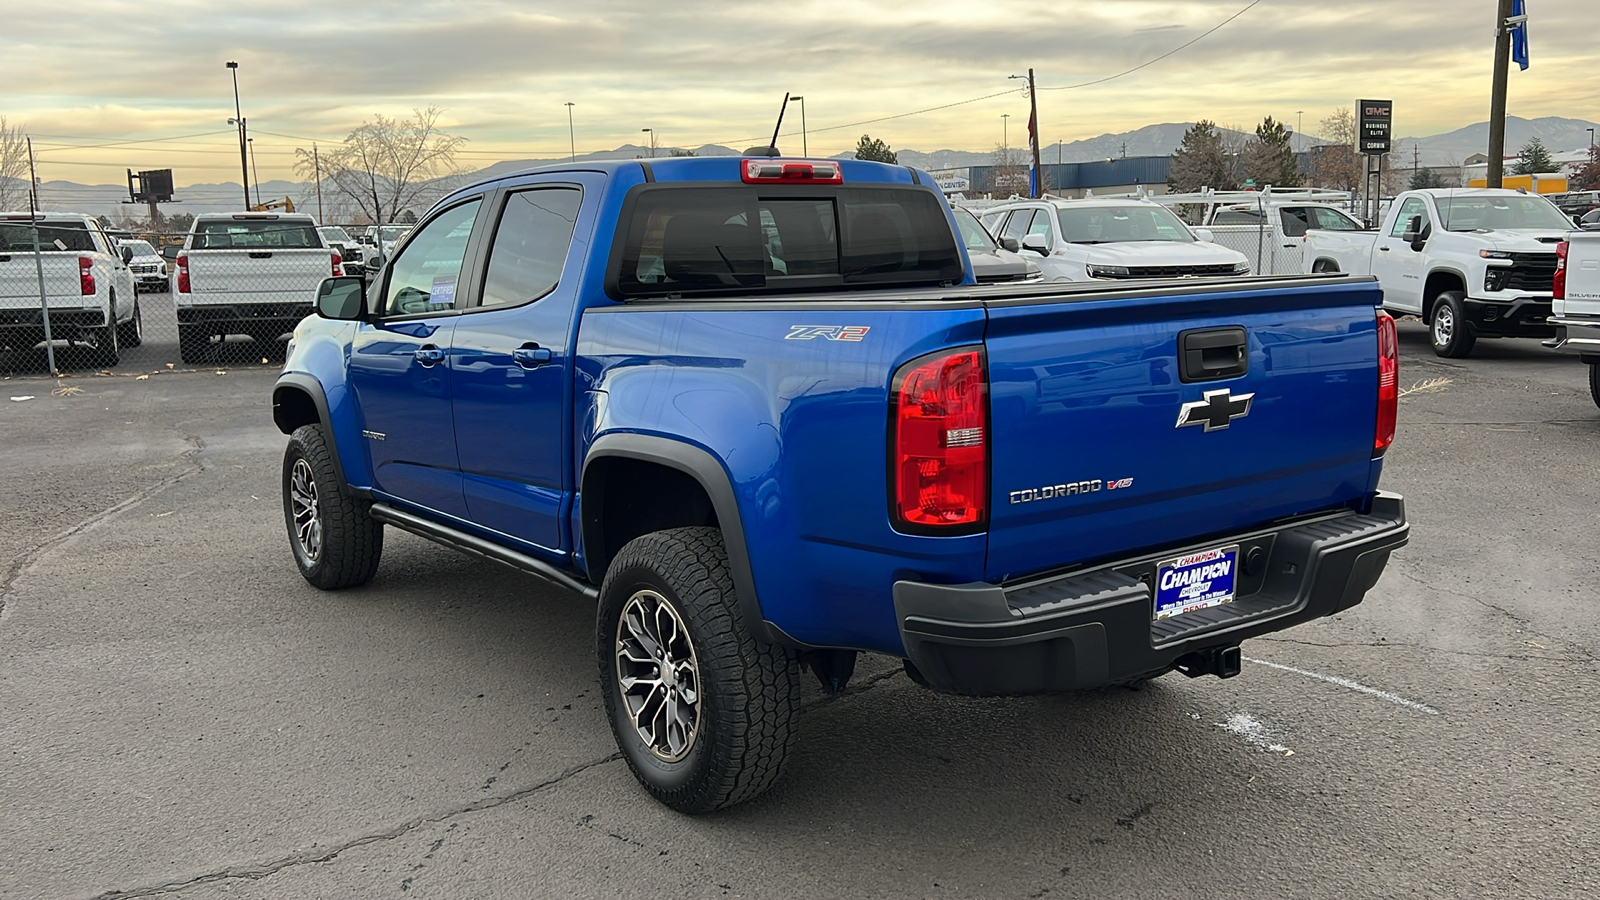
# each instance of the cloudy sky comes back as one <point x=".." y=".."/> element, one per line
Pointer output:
<point x="701" y="72"/>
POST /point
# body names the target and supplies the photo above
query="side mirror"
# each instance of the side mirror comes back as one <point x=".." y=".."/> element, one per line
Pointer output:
<point x="343" y="298"/>
<point x="127" y="254"/>
<point x="1011" y="244"/>
<point x="374" y="261"/>
<point x="1035" y="242"/>
<point x="1204" y="235"/>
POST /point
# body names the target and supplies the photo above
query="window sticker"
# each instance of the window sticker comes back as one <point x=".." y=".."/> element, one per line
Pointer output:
<point x="443" y="292"/>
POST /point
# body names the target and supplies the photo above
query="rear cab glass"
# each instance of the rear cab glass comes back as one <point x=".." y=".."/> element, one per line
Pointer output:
<point x="719" y="238"/>
<point x="54" y="237"/>
<point x="254" y="234"/>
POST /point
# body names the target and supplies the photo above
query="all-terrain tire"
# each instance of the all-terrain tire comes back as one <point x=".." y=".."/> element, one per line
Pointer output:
<point x="1594" y="382"/>
<point x="107" y="346"/>
<point x="748" y="692"/>
<point x="1450" y="333"/>
<point x="334" y="539"/>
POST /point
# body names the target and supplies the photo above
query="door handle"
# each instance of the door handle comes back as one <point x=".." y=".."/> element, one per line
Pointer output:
<point x="1384" y="249"/>
<point x="530" y="355"/>
<point x="429" y="355"/>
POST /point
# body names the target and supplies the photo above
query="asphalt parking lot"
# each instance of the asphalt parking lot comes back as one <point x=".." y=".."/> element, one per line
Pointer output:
<point x="186" y="718"/>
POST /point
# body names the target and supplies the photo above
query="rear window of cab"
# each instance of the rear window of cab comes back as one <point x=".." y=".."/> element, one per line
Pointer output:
<point x="709" y="239"/>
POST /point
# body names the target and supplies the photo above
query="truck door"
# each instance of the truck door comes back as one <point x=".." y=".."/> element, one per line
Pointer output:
<point x="1401" y="270"/>
<point x="400" y="366"/>
<point x="513" y="400"/>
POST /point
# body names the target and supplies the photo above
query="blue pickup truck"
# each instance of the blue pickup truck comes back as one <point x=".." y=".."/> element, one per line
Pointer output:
<point x="759" y="410"/>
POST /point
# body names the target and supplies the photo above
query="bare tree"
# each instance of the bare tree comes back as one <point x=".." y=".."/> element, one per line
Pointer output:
<point x="14" y="176"/>
<point x="1336" y="164"/>
<point x="1010" y="171"/>
<point x="389" y="166"/>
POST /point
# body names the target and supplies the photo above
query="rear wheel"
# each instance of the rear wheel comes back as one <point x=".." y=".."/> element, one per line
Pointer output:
<point x="703" y="713"/>
<point x="193" y="342"/>
<point x="1594" y="382"/>
<point x="132" y="331"/>
<point x="1452" y="336"/>
<point x="107" y="346"/>
<point x="335" y="540"/>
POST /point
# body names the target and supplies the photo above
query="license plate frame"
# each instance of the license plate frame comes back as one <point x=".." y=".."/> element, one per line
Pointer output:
<point x="1195" y="581"/>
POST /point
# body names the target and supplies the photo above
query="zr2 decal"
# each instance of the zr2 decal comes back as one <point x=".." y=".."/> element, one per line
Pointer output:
<point x="831" y="332"/>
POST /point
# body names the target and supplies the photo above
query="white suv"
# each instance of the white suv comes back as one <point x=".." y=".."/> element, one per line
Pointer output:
<point x="1087" y="240"/>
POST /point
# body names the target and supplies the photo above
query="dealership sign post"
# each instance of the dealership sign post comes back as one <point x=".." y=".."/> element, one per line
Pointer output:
<point x="1373" y="133"/>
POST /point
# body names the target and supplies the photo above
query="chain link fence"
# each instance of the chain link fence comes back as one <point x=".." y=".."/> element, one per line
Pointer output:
<point x="233" y="304"/>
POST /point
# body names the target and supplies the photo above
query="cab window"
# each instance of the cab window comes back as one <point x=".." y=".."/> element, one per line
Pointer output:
<point x="530" y="245"/>
<point x="1413" y="207"/>
<point x="422" y="279"/>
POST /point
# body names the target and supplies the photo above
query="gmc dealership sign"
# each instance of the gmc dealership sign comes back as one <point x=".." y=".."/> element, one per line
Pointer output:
<point x="1376" y="117"/>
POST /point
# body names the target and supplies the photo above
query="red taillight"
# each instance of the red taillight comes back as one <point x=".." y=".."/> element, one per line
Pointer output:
<point x="1388" y="383"/>
<point x="765" y="171"/>
<point x="337" y="262"/>
<point x="183" y="274"/>
<point x="86" y="276"/>
<point x="940" y="448"/>
<point x="1558" y="288"/>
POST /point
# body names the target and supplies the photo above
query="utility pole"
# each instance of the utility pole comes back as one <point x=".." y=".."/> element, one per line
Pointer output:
<point x="1497" y="100"/>
<point x="316" y="162"/>
<point x="1416" y="162"/>
<point x="38" y="260"/>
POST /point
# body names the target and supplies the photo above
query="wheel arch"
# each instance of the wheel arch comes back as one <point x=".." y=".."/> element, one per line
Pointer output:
<point x="1439" y="281"/>
<point x="687" y="486"/>
<point x="298" y="399"/>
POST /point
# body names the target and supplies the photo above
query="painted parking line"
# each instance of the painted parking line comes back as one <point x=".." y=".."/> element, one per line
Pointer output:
<point x="1351" y="684"/>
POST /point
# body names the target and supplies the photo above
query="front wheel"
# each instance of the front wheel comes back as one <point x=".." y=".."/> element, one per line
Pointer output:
<point x="336" y="542"/>
<point x="1452" y="336"/>
<point x="703" y="713"/>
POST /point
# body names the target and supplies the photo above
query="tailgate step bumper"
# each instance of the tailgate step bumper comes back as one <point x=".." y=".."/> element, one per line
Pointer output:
<point x="1092" y="628"/>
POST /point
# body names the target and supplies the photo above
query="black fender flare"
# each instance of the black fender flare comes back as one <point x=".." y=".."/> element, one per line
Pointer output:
<point x="708" y="472"/>
<point x="310" y="386"/>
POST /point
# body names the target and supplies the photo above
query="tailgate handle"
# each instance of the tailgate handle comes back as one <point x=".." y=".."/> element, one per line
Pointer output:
<point x="260" y="255"/>
<point x="1212" y="354"/>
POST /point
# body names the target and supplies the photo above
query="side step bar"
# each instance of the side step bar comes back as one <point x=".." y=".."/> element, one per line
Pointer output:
<point x="477" y="546"/>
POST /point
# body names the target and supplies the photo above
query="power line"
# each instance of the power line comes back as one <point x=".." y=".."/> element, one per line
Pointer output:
<point x="114" y="142"/>
<point x="1214" y="30"/>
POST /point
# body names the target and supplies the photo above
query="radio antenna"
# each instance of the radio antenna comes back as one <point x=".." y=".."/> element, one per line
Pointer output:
<point x="774" y="144"/>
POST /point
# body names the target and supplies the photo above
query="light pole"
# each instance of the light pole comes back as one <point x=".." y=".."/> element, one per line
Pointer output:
<point x="255" y="176"/>
<point x="572" y="139"/>
<point x="804" y="150"/>
<point x="1005" y="139"/>
<point x="238" y="119"/>
<point x="1591" y="140"/>
<point x="652" y="132"/>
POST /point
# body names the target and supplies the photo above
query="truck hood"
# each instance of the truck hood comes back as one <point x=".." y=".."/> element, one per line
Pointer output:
<point x="1157" y="253"/>
<point x="1521" y="241"/>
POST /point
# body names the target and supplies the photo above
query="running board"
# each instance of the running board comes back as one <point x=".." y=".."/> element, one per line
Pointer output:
<point x="477" y="546"/>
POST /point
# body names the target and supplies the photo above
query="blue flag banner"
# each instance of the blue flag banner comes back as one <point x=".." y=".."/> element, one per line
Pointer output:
<point x="1519" y="34"/>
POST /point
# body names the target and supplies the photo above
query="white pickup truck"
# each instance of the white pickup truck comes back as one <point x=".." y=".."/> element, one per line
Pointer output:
<point x="1472" y="263"/>
<point x="1576" y="301"/>
<point x="254" y="274"/>
<point x="1089" y="240"/>
<point x="87" y="286"/>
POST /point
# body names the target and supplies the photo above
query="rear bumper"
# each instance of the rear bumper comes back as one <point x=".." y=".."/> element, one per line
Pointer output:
<point x="228" y="313"/>
<point x="33" y="319"/>
<point x="1093" y="627"/>
<point x="1523" y="317"/>
<point x="1580" y="336"/>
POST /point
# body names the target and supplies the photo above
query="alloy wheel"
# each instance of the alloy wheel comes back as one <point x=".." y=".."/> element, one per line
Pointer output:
<point x="658" y="675"/>
<point x="307" y="510"/>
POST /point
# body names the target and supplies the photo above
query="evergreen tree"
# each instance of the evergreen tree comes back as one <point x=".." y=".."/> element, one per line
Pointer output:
<point x="877" y="151"/>
<point x="1422" y="179"/>
<point x="1200" y="161"/>
<point x="1270" y="159"/>
<point x="1534" y="159"/>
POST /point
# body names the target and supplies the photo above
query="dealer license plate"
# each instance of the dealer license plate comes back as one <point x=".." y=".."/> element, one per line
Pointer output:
<point x="1196" y="581"/>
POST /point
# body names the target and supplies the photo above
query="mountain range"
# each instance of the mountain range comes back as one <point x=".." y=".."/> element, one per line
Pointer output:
<point x="1560" y="135"/>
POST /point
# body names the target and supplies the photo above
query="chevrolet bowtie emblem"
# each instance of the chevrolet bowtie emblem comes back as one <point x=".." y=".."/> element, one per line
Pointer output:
<point x="1216" y="411"/>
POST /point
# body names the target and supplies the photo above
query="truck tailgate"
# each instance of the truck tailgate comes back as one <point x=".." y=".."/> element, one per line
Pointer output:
<point x="1089" y="454"/>
<point x="1583" y="277"/>
<point x="257" y="276"/>
<point x="19" y="280"/>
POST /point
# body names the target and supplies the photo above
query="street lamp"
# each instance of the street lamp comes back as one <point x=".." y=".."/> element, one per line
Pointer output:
<point x="652" y="132"/>
<point x="238" y="119"/>
<point x="804" y="150"/>
<point x="256" y="175"/>
<point x="1299" y="124"/>
<point x="1591" y="140"/>
<point x="572" y="139"/>
<point x="244" y="131"/>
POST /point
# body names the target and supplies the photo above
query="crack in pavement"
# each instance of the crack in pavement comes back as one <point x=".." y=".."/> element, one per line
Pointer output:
<point x="1574" y="650"/>
<point x="27" y="560"/>
<point x="859" y="688"/>
<point x="1403" y="645"/>
<point x="259" y="871"/>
